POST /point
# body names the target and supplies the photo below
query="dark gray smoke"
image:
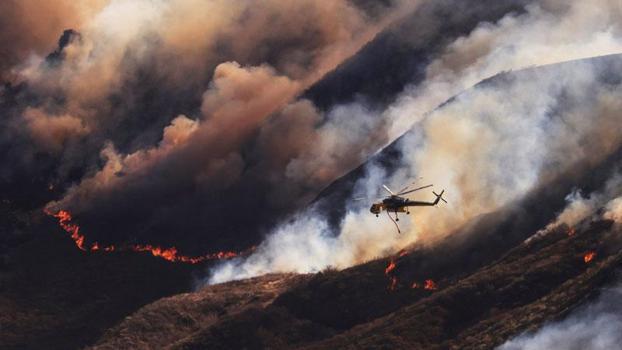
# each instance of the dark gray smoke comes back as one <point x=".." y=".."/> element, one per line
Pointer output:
<point x="107" y="126"/>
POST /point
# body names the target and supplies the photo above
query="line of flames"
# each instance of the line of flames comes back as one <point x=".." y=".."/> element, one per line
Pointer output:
<point x="169" y="254"/>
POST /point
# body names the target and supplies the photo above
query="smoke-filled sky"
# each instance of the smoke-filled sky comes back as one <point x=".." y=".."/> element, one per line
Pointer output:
<point x="147" y="115"/>
<point x="489" y="146"/>
<point x="204" y="124"/>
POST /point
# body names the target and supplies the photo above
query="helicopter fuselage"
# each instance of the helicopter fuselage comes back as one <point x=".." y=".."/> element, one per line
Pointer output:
<point x="393" y="204"/>
<point x="397" y="204"/>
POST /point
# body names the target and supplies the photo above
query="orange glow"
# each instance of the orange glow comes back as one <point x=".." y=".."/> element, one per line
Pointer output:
<point x="589" y="256"/>
<point x="403" y="252"/>
<point x="430" y="285"/>
<point x="415" y="285"/>
<point x="169" y="254"/>
<point x="571" y="231"/>
<point x="390" y="267"/>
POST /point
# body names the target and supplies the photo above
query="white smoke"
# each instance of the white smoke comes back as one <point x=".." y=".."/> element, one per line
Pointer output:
<point x="551" y="31"/>
<point x="489" y="146"/>
<point x="597" y="326"/>
<point x="307" y="244"/>
<point x="582" y="206"/>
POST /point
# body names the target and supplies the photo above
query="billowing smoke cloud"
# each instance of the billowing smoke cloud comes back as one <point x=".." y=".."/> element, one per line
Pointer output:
<point x="582" y="206"/>
<point x="230" y="72"/>
<point x="595" y="326"/>
<point x="166" y="109"/>
<point x="125" y="39"/>
<point x="199" y="152"/>
<point x="53" y="131"/>
<point x="488" y="146"/>
<point x="113" y="77"/>
<point x="550" y="31"/>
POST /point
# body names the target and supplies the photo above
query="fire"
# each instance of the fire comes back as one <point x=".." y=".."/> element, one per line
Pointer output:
<point x="589" y="256"/>
<point x="430" y="285"/>
<point x="169" y="254"/>
<point x="390" y="267"/>
<point x="392" y="279"/>
<point x="64" y="220"/>
<point x="427" y="285"/>
<point x="571" y="231"/>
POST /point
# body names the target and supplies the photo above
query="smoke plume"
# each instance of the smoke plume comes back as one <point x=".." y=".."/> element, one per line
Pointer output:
<point x="597" y="325"/>
<point x="148" y="111"/>
<point x="488" y="146"/>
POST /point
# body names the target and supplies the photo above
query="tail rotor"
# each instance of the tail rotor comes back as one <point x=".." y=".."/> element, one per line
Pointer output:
<point x="439" y="197"/>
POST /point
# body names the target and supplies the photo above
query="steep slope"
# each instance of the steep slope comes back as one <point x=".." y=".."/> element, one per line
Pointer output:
<point x="400" y="55"/>
<point x="55" y="296"/>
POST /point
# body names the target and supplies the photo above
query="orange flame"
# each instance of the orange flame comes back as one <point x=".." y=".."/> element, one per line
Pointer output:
<point x="390" y="267"/>
<point x="589" y="256"/>
<point x="430" y="285"/>
<point x="64" y="220"/>
<point x="169" y="254"/>
<point x="571" y="231"/>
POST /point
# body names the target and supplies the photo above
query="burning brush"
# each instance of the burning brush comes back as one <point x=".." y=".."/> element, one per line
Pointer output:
<point x="589" y="256"/>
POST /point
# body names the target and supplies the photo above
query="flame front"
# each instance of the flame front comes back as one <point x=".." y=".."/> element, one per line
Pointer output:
<point x="589" y="256"/>
<point x="64" y="220"/>
<point x="169" y="254"/>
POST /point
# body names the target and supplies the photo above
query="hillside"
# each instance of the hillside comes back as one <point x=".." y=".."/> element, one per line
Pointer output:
<point x="356" y="308"/>
<point x="199" y="174"/>
<point x="476" y="288"/>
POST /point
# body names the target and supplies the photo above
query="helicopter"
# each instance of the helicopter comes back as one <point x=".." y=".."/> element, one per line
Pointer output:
<point x="397" y="203"/>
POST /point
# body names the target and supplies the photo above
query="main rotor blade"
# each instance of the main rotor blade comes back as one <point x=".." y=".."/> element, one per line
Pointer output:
<point x="405" y="188"/>
<point x="416" y="189"/>
<point x="412" y="183"/>
<point x="388" y="190"/>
